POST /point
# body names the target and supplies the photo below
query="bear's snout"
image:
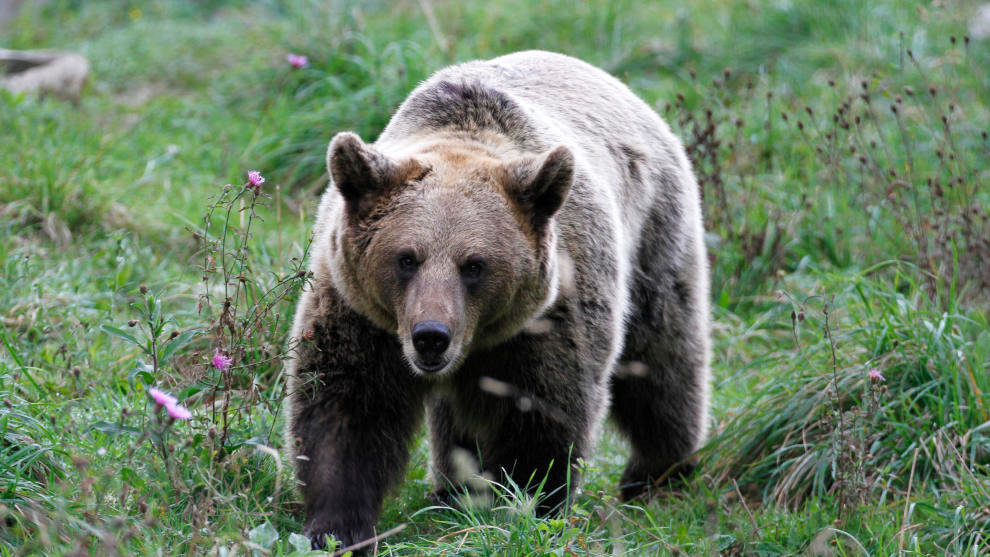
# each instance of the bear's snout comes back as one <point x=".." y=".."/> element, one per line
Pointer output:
<point x="431" y="339"/>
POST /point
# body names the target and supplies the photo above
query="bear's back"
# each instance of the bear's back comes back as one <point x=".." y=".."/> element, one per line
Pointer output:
<point x="630" y="170"/>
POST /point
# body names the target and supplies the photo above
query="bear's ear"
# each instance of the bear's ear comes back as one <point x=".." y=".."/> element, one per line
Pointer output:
<point x="540" y="184"/>
<point x="360" y="172"/>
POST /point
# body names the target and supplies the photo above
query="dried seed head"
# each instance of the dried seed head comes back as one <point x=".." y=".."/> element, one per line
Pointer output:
<point x="909" y="91"/>
<point x="173" y="335"/>
<point x="898" y="99"/>
<point x="952" y="39"/>
<point x="910" y="54"/>
<point x="784" y="116"/>
<point x="831" y="83"/>
<point x="727" y="73"/>
<point x="932" y="90"/>
<point x="143" y="289"/>
<point x="132" y="323"/>
<point x="893" y="108"/>
<point x="800" y="125"/>
<point x="863" y="84"/>
<point x="809" y="111"/>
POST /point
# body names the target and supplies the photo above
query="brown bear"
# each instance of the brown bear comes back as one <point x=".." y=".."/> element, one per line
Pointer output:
<point x="521" y="250"/>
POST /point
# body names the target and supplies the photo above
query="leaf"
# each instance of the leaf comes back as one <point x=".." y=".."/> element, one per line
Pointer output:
<point x="264" y="535"/>
<point x="142" y="370"/>
<point x="175" y="344"/>
<point x="299" y="543"/>
<point x="122" y="335"/>
<point x="132" y="478"/>
<point x="113" y="430"/>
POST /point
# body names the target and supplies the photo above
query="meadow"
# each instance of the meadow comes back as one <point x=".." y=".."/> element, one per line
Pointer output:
<point x="843" y="154"/>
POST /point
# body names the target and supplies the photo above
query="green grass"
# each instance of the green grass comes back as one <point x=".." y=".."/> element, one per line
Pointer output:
<point x="846" y="236"/>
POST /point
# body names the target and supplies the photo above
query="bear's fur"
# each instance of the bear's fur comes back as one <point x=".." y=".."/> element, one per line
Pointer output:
<point x="539" y="228"/>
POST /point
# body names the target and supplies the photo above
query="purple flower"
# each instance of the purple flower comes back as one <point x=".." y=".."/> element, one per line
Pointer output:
<point x="161" y="398"/>
<point x="876" y="376"/>
<point x="297" y="60"/>
<point x="171" y="404"/>
<point x="220" y="361"/>
<point x="255" y="178"/>
<point x="178" y="412"/>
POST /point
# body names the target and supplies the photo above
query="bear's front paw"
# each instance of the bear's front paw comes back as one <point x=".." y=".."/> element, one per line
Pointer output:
<point x="347" y="533"/>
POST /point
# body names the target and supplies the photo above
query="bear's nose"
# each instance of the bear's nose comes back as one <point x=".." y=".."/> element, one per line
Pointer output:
<point x="430" y="338"/>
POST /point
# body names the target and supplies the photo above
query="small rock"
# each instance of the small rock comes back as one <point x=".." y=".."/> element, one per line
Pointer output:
<point x="62" y="74"/>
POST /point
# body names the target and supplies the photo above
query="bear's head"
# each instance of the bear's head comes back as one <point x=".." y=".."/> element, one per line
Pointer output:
<point x="451" y="248"/>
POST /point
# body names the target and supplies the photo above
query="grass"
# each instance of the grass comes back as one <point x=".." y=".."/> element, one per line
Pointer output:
<point x="847" y="222"/>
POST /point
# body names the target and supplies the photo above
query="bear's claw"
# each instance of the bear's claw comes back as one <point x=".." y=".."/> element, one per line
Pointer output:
<point x="345" y="536"/>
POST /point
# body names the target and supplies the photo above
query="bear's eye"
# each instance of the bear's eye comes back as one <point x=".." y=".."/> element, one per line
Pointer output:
<point x="407" y="264"/>
<point x="472" y="270"/>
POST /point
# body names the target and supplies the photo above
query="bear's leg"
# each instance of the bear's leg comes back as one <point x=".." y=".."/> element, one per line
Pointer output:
<point x="454" y="455"/>
<point x="538" y="455"/>
<point x="660" y="387"/>
<point x="354" y="408"/>
<point x="532" y="405"/>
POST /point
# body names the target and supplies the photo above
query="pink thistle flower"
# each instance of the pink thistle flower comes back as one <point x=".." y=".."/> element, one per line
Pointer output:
<point x="178" y="412"/>
<point x="297" y="60"/>
<point x="255" y="178"/>
<point x="220" y="361"/>
<point x="876" y="376"/>
<point x="161" y="398"/>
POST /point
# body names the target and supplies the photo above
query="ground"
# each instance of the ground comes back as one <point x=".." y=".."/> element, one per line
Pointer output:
<point x="843" y="153"/>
